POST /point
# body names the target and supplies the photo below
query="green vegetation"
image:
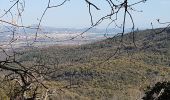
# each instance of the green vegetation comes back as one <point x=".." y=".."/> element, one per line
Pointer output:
<point x="160" y="91"/>
<point x="85" y="72"/>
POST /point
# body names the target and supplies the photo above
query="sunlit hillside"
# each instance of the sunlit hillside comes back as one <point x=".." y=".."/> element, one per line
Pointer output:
<point x="101" y="70"/>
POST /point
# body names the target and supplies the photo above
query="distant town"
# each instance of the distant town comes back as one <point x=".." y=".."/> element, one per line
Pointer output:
<point x="47" y="36"/>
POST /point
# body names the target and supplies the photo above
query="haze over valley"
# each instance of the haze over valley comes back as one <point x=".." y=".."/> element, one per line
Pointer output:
<point x="47" y="36"/>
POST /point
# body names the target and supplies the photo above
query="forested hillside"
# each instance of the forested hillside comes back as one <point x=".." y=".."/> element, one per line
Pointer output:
<point x="104" y="70"/>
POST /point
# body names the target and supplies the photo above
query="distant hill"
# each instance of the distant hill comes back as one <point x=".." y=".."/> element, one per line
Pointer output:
<point x="59" y="30"/>
<point x="100" y="70"/>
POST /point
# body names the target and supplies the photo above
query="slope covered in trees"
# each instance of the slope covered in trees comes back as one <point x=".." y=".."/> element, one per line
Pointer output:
<point x="107" y="69"/>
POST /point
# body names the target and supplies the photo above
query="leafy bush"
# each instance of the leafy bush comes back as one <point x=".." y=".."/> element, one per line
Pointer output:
<point x="161" y="91"/>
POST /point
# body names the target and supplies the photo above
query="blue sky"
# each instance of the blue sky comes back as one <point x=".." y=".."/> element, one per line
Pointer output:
<point x="74" y="14"/>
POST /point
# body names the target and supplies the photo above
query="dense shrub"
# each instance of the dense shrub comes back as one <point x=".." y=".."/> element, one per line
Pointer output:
<point x="161" y="91"/>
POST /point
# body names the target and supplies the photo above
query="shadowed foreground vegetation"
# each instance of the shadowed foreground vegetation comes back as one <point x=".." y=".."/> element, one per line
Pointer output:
<point x="95" y="72"/>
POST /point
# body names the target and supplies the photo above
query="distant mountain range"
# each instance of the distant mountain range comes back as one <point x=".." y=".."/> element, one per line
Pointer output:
<point x="53" y="29"/>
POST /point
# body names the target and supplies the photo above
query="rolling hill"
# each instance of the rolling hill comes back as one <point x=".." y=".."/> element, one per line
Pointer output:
<point x="105" y="70"/>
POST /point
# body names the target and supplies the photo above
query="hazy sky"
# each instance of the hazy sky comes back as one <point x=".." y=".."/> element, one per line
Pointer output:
<point x="74" y="14"/>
